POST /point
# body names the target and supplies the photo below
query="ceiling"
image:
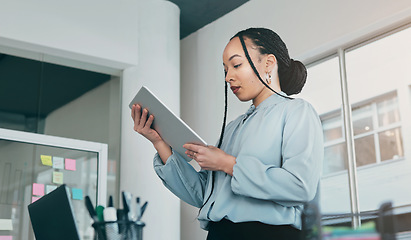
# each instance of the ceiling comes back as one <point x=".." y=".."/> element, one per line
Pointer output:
<point x="35" y="89"/>
<point x="195" y="14"/>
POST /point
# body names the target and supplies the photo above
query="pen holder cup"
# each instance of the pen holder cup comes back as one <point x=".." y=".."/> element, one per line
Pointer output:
<point x="118" y="230"/>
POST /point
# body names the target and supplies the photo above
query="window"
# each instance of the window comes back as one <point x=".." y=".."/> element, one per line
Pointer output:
<point x="377" y="134"/>
<point x="377" y="131"/>
<point x="378" y="78"/>
<point x="323" y="82"/>
<point x="324" y="75"/>
<point x="335" y="148"/>
<point x="378" y="92"/>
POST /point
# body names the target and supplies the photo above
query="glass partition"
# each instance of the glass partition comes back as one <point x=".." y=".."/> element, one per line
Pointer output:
<point x="52" y="99"/>
<point x="32" y="165"/>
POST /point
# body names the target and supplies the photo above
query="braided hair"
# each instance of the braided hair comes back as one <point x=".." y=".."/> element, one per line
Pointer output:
<point x="292" y="74"/>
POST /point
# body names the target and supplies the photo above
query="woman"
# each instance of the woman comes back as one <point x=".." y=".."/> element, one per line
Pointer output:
<point x="268" y="161"/>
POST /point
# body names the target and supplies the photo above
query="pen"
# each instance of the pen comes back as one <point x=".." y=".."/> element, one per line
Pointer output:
<point x="138" y="208"/>
<point x="90" y="209"/>
<point x="110" y="201"/>
<point x="126" y="204"/>
<point x="143" y="208"/>
<point x="121" y="220"/>
<point x="110" y="215"/>
<point x="99" y="211"/>
<point x="93" y="215"/>
<point x="132" y="214"/>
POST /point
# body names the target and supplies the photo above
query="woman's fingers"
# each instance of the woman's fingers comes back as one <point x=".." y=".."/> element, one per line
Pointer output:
<point x="143" y="118"/>
<point x="149" y="121"/>
<point x="142" y="123"/>
<point x="136" y="117"/>
<point x="193" y="147"/>
<point x="135" y="113"/>
<point x="195" y="151"/>
<point x="190" y="153"/>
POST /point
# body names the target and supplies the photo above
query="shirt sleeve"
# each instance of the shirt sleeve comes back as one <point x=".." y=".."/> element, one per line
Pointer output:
<point x="295" y="182"/>
<point x="182" y="179"/>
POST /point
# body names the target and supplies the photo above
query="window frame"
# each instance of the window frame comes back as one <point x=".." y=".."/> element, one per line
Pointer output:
<point x="340" y="51"/>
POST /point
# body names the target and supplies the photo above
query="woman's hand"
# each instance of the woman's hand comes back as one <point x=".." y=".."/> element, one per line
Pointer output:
<point x="210" y="158"/>
<point x="142" y="125"/>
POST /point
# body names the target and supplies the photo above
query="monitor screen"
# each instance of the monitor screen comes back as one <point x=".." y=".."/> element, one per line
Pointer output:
<point x="52" y="216"/>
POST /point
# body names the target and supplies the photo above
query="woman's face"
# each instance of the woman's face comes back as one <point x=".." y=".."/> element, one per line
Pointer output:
<point x="239" y="74"/>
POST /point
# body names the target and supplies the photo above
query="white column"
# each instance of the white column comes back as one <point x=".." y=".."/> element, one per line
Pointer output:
<point x="159" y="69"/>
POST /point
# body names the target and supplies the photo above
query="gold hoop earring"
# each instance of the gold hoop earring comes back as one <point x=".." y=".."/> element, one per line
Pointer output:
<point x="268" y="78"/>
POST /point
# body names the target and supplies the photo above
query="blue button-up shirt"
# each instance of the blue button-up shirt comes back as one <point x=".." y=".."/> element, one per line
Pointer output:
<point x="278" y="147"/>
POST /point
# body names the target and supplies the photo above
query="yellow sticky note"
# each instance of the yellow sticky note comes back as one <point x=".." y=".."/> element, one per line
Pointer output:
<point x="46" y="160"/>
<point x="58" y="177"/>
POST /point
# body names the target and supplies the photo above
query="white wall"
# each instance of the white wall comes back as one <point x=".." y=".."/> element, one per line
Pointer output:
<point x="93" y="106"/>
<point x="97" y="33"/>
<point x="94" y="116"/>
<point x="309" y="28"/>
<point x="158" y="69"/>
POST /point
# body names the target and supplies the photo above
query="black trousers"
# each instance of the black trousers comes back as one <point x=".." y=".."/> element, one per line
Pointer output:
<point x="227" y="230"/>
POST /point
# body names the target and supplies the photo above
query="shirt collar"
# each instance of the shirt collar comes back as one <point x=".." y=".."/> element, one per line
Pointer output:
<point x="271" y="100"/>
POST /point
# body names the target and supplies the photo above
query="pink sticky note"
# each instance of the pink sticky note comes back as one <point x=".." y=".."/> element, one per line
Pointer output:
<point x="33" y="199"/>
<point x="38" y="189"/>
<point x="6" y="237"/>
<point x="70" y="164"/>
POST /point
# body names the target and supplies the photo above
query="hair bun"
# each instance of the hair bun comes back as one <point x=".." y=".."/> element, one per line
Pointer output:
<point x="292" y="64"/>
<point x="294" y="78"/>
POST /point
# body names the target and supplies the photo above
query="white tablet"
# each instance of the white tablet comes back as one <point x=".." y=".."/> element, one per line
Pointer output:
<point x="171" y="128"/>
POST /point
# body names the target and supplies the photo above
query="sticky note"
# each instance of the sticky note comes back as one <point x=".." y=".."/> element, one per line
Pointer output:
<point x="58" y="162"/>
<point x="70" y="164"/>
<point x="50" y="188"/>
<point x="38" y="189"/>
<point x="6" y="237"/>
<point x="33" y="199"/>
<point x="46" y="160"/>
<point x="77" y="193"/>
<point x="6" y="224"/>
<point x="58" y="177"/>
